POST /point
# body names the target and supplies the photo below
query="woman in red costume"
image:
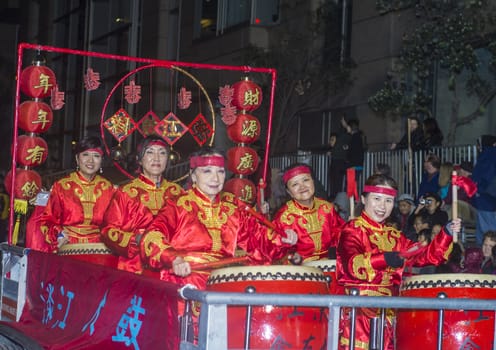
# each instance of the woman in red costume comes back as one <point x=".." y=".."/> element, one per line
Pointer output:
<point x="205" y="225"/>
<point x="135" y="204"/>
<point x="371" y="258"/>
<point x="315" y="220"/>
<point x="77" y="202"/>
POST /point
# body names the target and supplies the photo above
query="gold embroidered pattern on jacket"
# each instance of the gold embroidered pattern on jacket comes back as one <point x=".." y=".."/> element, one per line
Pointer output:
<point x="87" y="192"/>
<point x="384" y="237"/>
<point x="311" y="220"/>
<point x="362" y="267"/>
<point x="212" y="215"/>
<point x="120" y="237"/>
<point x="151" y="239"/>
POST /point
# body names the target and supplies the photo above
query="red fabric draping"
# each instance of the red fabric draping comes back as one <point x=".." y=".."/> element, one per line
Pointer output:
<point x="75" y="305"/>
<point x="465" y="183"/>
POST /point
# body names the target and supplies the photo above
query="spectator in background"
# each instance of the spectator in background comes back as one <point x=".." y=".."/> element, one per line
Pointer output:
<point x="484" y="176"/>
<point x="382" y="168"/>
<point x="358" y="144"/>
<point x="488" y="244"/>
<point x="433" y="137"/>
<point x="416" y="136"/>
<point x="430" y="177"/>
<point x="445" y="172"/>
<point x="406" y="209"/>
<point x="339" y="162"/>
<point x="430" y="206"/>
<point x="421" y="222"/>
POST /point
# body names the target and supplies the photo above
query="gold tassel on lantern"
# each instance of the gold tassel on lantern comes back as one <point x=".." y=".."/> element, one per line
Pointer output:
<point x="20" y="208"/>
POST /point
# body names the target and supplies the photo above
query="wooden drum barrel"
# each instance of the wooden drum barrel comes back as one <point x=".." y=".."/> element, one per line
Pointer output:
<point x="328" y="268"/>
<point x="96" y="253"/>
<point x="274" y="327"/>
<point x="417" y="329"/>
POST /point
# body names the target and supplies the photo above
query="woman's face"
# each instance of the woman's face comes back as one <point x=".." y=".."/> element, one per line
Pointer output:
<point x="209" y="179"/>
<point x="154" y="161"/>
<point x="302" y="189"/>
<point x="429" y="168"/>
<point x="378" y="206"/>
<point x="89" y="162"/>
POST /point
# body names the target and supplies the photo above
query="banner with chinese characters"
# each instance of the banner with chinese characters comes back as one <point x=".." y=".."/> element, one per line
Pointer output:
<point x="74" y="305"/>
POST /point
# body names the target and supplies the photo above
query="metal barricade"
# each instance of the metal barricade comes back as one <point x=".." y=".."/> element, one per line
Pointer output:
<point x="213" y="321"/>
<point x="13" y="282"/>
<point x="397" y="160"/>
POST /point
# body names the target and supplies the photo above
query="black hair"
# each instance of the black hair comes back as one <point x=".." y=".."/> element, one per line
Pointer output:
<point x="87" y="143"/>
<point x="144" y="145"/>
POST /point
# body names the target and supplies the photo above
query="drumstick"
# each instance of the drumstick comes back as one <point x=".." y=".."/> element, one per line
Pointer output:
<point x="454" y="205"/>
<point x="261" y="191"/>
<point x="261" y="218"/>
<point x="352" y="207"/>
<point x="219" y="263"/>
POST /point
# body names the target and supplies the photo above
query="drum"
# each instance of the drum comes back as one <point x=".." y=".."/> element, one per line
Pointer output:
<point x="328" y="268"/>
<point x="417" y="329"/>
<point x="96" y="253"/>
<point x="274" y="327"/>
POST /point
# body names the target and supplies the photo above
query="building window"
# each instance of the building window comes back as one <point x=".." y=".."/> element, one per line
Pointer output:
<point x="216" y="16"/>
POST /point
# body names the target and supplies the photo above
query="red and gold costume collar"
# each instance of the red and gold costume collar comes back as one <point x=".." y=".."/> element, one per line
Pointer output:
<point x="298" y="170"/>
<point x="203" y="197"/>
<point x="197" y="161"/>
<point x="369" y="221"/>
<point x="380" y="189"/>
<point x="148" y="181"/>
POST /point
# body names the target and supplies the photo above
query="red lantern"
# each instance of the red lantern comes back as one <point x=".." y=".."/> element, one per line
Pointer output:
<point x="27" y="183"/>
<point x="243" y="189"/>
<point x="242" y="160"/>
<point x="31" y="150"/>
<point x="35" y="116"/>
<point x="247" y="95"/>
<point x="246" y="129"/>
<point x="37" y="81"/>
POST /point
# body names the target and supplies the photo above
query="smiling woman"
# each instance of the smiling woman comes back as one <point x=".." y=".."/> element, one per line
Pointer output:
<point x="371" y="257"/>
<point x="135" y="204"/>
<point x="77" y="202"/>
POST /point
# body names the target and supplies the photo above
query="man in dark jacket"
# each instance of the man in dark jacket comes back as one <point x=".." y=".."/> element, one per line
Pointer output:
<point x="484" y="175"/>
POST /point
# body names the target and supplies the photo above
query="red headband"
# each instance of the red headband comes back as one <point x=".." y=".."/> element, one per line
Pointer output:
<point x="298" y="170"/>
<point x="97" y="150"/>
<point x="379" y="189"/>
<point x="156" y="143"/>
<point x="197" y="161"/>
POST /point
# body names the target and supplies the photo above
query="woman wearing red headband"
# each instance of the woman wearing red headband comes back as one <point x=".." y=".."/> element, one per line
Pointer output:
<point x="136" y="203"/>
<point x="205" y="225"/>
<point x="371" y="258"/>
<point x="315" y="220"/>
<point x="77" y="202"/>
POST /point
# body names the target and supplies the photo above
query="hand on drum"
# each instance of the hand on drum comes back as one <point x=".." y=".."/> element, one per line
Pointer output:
<point x="180" y="267"/>
<point x="291" y="237"/>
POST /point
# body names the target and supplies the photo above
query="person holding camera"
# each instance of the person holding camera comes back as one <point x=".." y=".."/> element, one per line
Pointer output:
<point x="430" y="206"/>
